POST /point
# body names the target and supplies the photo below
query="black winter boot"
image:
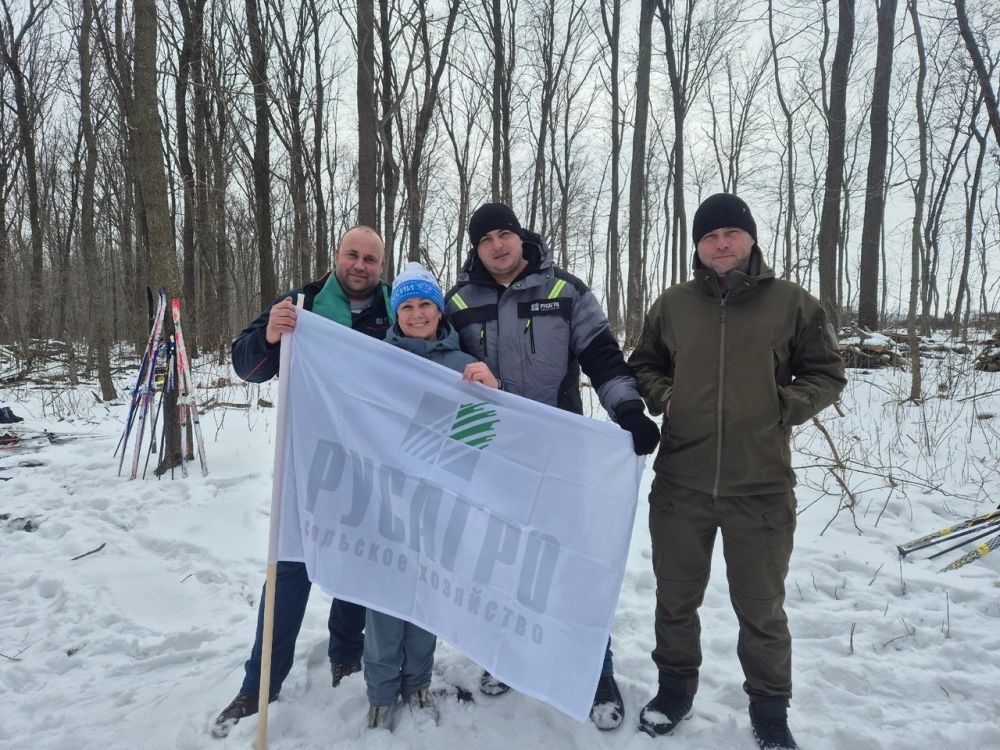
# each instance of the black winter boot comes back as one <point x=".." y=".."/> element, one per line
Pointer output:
<point x="770" y="725"/>
<point x="490" y="685"/>
<point x="608" y="710"/>
<point x="662" y="714"/>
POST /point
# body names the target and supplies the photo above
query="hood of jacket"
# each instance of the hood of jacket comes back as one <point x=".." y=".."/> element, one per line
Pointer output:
<point x="735" y="281"/>
<point x="446" y="341"/>
<point x="536" y="252"/>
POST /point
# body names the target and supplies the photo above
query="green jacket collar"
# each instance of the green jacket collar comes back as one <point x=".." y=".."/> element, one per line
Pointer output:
<point x="332" y="303"/>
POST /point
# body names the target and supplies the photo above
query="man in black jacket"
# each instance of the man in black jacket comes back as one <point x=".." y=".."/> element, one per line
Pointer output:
<point x="352" y="295"/>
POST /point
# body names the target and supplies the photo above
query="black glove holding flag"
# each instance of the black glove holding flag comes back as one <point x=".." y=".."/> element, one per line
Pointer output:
<point x="645" y="433"/>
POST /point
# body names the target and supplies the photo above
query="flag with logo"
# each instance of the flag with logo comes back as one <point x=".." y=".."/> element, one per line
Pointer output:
<point x="499" y="524"/>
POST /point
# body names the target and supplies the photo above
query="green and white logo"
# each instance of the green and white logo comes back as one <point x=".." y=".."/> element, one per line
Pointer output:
<point x="450" y="435"/>
<point x="473" y="425"/>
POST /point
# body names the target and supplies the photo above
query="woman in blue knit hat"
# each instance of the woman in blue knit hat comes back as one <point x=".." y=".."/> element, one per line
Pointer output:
<point x="398" y="654"/>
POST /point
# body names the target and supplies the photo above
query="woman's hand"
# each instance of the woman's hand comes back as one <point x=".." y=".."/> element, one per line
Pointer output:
<point x="479" y="372"/>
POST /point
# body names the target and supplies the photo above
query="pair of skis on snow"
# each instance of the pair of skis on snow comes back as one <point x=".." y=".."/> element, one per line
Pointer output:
<point x="145" y="387"/>
<point x="980" y="527"/>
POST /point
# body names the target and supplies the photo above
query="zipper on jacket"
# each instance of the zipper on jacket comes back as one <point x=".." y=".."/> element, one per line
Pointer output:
<point x="718" y="421"/>
<point x="530" y="330"/>
<point x="482" y="338"/>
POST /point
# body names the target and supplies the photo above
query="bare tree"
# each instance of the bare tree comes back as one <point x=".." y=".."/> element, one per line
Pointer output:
<point x="367" y="116"/>
<point x="292" y="48"/>
<point x="98" y="332"/>
<point x="152" y="182"/>
<point x="261" y="153"/>
<point x="634" y="308"/>
<point x="611" y="20"/>
<point x="18" y="45"/>
<point x="694" y="39"/>
<point x="9" y="164"/>
<point x="989" y="95"/>
<point x="962" y="297"/>
<point x="868" y="312"/>
<point x="191" y="12"/>
<point x="425" y="109"/>
<point x="502" y="49"/>
<point x="322" y="251"/>
<point x="789" y="167"/>
<point x="919" y="196"/>
<point x="836" y="117"/>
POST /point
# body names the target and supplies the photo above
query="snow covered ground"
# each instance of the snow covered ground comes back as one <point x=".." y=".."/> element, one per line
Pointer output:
<point x="141" y="644"/>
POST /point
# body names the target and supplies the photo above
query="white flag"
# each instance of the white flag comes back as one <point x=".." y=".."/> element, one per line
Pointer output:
<point x="497" y="523"/>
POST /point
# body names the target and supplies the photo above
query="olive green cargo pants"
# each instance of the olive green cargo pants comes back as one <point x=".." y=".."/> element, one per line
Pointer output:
<point x="757" y="532"/>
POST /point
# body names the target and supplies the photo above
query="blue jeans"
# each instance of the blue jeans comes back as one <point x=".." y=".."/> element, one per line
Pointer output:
<point x="291" y="594"/>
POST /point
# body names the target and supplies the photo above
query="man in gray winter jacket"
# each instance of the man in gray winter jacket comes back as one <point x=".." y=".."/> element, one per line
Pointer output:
<point x="537" y="326"/>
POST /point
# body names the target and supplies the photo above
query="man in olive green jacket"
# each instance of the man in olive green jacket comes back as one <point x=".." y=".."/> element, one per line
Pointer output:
<point x="733" y="359"/>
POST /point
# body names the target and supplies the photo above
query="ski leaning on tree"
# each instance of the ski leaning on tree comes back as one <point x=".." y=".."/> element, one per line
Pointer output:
<point x="733" y="359"/>
<point x="186" y="404"/>
<point x="145" y="383"/>
<point x="536" y="326"/>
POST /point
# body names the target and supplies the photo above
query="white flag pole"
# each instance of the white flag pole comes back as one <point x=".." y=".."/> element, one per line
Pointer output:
<point x="264" y="690"/>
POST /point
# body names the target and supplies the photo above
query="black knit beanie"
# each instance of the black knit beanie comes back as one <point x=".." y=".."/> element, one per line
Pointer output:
<point x="722" y="210"/>
<point x="490" y="216"/>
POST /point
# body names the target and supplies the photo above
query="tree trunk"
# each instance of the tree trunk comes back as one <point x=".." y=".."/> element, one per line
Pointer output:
<point x="612" y="32"/>
<point x="152" y="182"/>
<point x="261" y="154"/>
<point x="919" y="195"/>
<point x="367" y="117"/>
<point x="390" y="169"/>
<point x="191" y="28"/>
<point x="634" y="311"/>
<point x="836" y="116"/>
<point x="989" y="95"/>
<point x="411" y="166"/>
<point x="868" y="312"/>
<point x="98" y="333"/>
<point x="11" y="49"/>
<point x="962" y="296"/>
<point x="322" y="253"/>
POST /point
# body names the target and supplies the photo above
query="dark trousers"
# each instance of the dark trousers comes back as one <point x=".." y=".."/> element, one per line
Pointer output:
<point x="291" y="594"/>
<point x="757" y="533"/>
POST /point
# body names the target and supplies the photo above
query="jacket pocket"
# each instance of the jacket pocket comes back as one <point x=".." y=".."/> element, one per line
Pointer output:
<point x="779" y="533"/>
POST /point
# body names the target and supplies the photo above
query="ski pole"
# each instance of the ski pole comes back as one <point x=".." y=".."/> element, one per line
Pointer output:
<point x="991" y="530"/>
<point x="954" y="535"/>
<point x="981" y="551"/>
<point x="950" y="529"/>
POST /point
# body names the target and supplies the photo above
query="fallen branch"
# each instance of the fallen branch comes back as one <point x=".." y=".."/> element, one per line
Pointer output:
<point x="16" y="657"/>
<point x="96" y="549"/>
<point x="214" y="403"/>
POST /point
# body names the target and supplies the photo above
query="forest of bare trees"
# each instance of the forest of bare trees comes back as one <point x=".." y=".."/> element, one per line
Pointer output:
<point x="219" y="148"/>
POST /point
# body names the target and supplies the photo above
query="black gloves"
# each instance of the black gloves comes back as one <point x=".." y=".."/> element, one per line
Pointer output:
<point x="645" y="433"/>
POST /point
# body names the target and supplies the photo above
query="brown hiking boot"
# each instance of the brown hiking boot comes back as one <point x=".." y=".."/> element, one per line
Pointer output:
<point x="243" y="705"/>
<point x="339" y="670"/>
<point x="380" y="717"/>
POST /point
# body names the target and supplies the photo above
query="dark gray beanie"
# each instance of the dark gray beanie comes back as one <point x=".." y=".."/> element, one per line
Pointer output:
<point x="722" y="210"/>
